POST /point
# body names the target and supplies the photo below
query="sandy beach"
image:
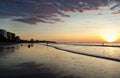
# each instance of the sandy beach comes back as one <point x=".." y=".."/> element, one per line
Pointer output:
<point x="42" y="61"/>
<point x="7" y="43"/>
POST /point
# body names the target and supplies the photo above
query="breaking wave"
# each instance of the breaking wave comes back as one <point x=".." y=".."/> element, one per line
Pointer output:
<point x="103" y="52"/>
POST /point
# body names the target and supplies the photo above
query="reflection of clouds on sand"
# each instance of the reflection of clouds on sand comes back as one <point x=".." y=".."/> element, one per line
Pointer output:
<point x="30" y="65"/>
<point x="46" y="62"/>
<point x="26" y="70"/>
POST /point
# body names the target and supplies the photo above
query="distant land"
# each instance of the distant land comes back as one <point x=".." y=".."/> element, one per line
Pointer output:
<point x="6" y="36"/>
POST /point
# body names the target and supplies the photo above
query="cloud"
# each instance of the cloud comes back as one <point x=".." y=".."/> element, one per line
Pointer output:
<point x="29" y="20"/>
<point x="100" y="14"/>
<point x="48" y="11"/>
<point x="117" y="12"/>
<point x="115" y="6"/>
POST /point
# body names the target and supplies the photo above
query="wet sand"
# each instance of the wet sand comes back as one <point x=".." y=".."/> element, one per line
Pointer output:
<point x="7" y="43"/>
<point x="45" y="62"/>
<point x="26" y="70"/>
<point x="86" y="54"/>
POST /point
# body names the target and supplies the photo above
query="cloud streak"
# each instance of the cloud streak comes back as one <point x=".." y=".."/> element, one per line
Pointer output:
<point x="48" y="11"/>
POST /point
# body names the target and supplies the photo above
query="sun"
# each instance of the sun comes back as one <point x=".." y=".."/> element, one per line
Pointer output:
<point x="110" y="37"/>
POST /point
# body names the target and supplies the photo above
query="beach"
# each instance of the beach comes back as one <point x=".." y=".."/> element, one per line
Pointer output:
<point x="7" y="43"/>
<point x="59" y="39"/>
<point x="41" y="61"/>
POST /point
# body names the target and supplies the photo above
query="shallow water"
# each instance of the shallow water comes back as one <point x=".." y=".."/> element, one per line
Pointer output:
<point x="105" y="52"/>
<point x="17" y="60"/>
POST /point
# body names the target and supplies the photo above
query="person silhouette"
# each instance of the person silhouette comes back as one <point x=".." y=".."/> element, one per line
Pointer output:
<point x="28" y="46"/>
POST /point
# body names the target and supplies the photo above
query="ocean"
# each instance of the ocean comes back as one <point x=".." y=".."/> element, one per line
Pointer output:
<point x="110" y="51"/>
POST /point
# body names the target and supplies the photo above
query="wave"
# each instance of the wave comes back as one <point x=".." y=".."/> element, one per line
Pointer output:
<point x="98" y="54"/>
<point x="105" y="44"/>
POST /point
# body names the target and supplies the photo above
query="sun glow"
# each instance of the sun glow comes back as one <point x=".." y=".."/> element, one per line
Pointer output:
<point x="110" y="37"/>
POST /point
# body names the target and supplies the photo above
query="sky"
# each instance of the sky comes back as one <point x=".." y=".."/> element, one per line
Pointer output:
<point x="62" y="20"/>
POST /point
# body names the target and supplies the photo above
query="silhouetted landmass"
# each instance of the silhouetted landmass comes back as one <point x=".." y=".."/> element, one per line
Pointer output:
<point x="2" y="38"/>
<point x="6" y="36"/>
<point x="47" y="41"/>
<point x="37" y="41"/>
<point x="11" y="38"/>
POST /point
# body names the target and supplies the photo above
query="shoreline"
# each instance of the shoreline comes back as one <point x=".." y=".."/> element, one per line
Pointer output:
<point x="91" y="55"/>
<point x="101" y="45"/>
<point x="42" y="61"/>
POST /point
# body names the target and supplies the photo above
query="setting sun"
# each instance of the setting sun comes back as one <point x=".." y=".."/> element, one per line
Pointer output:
<point x="110" y="37"/>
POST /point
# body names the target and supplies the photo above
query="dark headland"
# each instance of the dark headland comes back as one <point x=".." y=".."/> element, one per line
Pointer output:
<point x="9" y="38"/>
